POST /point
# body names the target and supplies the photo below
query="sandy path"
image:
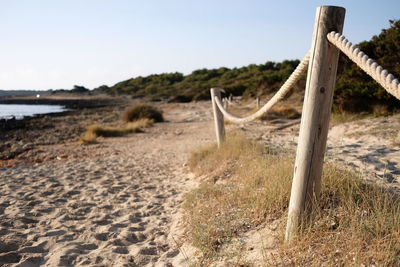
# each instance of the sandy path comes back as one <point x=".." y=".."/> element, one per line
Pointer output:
<point x="117" y="203"/>
<point x="114" y="208"/>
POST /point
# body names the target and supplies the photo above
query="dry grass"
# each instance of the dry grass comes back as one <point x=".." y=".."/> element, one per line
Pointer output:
<point x="338" y="117"/>
<point x="354" y="222"/>
<point x="237" y="197"/>
<point x="142" y="111"/>
<point x="343" y="117"/>
<point x="281" y="111"/>
<point x="88" y="137"/>
<point x="96" y="130"/>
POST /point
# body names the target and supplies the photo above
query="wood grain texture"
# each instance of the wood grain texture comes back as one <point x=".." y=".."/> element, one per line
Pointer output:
<point x="317" y="106"/>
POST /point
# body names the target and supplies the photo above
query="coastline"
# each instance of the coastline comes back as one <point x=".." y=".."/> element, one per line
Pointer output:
<point x="71" y="103"/>
<point x="26" y="135"/>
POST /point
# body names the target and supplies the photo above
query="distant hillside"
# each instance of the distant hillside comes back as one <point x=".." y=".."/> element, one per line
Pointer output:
<point x="355" y="90"/>
<point x="249" y="80"/>
<point x="22" y="92"/>
<point x="76" y="90"/>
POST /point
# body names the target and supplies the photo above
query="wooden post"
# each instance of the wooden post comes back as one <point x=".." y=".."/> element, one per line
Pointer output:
<point x="315" y="116"/>
<point x="218" y="116"/>
<point x="226" y="103"/>
<point x="258" y="102"/>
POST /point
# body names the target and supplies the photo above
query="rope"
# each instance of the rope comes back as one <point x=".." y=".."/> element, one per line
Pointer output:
<point x="373" y="69"/>
<point x="294" y="77"/>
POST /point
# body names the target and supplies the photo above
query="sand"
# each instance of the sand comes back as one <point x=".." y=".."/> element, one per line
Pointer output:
<point x="371" y="146"/>
<point x="118" y="202"/>
<point x="112" y="205"/>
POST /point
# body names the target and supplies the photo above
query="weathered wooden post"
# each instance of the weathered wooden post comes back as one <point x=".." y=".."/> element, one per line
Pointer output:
<point x="315" y="117"/>
<point x="218" y="116"/>
<point x="226" y="103"/>
<point x="258" y="102"/>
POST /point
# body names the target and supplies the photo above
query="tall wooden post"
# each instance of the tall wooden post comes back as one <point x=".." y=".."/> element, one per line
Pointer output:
<point x="218" y="116"/>
<point x="315" y="117"/>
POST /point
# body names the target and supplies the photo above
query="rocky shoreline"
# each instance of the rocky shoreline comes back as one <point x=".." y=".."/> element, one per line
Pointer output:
<point x="19" y="138"/>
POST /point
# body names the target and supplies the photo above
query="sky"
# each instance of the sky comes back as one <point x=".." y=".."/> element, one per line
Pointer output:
<point x="54" y="44"/>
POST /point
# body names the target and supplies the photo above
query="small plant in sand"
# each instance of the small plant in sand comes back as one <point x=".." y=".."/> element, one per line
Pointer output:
<point x="88" y="137"/>
<point x="353" y="222"/>
<point x="141" y="111"/>
<point x="96" y="130"/>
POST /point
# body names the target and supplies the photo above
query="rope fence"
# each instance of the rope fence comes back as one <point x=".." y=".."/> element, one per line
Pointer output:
<point x="321" y="62"/>
<point x="285" y="88"/>
<point x="373" y="69"/>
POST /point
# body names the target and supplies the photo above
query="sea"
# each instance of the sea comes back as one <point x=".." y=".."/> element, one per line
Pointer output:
<point x="19" y="111"/>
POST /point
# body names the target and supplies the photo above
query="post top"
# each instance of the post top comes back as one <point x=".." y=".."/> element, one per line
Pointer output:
<point x="332" y="7"/>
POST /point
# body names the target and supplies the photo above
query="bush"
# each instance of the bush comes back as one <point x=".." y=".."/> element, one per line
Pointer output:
<point x="281" y="111"/>
<point x="141" y="111"/>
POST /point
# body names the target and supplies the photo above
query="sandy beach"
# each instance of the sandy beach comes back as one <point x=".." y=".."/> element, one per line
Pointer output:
<point x="113" y="204"/>
<point x="117" y="202"/>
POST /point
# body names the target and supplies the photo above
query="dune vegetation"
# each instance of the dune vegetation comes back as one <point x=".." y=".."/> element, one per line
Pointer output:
<point x="142" y="111"/>
<point x="248" y="187"/>
<point x="96" y="130"/>
<point x="135" y="119"/>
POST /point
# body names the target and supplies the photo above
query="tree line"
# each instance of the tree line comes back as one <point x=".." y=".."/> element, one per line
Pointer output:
<point x="355" y="90"/>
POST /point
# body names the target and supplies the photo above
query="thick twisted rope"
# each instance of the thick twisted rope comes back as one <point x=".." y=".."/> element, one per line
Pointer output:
<point x="373" y="69"/>
<point x="294" y="77"/>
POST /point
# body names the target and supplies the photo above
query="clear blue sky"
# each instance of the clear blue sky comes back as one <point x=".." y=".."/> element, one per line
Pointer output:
<point x="59" y="43"/>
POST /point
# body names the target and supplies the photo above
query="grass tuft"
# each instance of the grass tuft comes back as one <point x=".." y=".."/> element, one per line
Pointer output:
<point x="96" y="130"/>
<point x="237" y="197"/>
<point x="141" y="111"/>
<point x="88" y="137"/>
<point x="353" y="223"/>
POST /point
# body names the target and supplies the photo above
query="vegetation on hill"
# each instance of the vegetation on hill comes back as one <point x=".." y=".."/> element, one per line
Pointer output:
<point x="250" y="80"/>
<point x="355" y="90"/>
